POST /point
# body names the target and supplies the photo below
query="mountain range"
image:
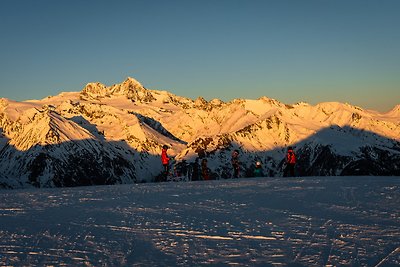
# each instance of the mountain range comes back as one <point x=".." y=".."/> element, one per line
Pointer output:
<point x="114" y="134"/>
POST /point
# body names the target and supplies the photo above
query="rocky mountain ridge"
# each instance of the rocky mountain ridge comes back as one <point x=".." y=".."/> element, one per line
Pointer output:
<point x="113" y="134"/>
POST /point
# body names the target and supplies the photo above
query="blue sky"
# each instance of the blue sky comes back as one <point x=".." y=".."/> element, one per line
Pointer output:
<point x="310" y="50"/>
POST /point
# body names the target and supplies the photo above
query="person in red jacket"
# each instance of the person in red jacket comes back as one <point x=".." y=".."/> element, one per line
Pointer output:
<point x="165" y="161"/>
<point x="290" y="162"/>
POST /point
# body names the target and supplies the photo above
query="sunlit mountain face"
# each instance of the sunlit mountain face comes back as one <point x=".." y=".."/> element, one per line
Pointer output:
<point x="114" y="134"/>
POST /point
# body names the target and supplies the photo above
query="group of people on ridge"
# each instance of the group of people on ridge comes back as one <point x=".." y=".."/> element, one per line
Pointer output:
<point x="204" y="172"/>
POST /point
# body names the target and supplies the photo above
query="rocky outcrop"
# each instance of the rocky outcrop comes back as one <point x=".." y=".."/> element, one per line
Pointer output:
<point x="114" y="134"/>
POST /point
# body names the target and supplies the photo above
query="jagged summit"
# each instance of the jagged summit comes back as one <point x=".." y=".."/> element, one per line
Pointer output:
<point x="217" y="102"/>
<point x="131" y="82"/>
<point x="271" y="101"/>
<point x="95" y="90"/>
<point x="200" y="102"/>
<point x="130" y="88"/>
<point x="395" y="112"/>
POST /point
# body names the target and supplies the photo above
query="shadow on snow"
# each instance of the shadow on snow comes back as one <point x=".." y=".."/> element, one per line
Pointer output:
<point x="100" y="162"/>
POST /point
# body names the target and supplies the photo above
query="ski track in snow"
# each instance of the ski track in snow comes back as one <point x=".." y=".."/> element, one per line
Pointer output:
<point x="314" y="221"/>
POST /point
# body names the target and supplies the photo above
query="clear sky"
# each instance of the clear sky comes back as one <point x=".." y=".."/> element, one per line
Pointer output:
<point x="308" y="50"/>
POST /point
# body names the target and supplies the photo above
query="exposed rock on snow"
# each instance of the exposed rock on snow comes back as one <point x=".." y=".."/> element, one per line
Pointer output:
<point x="115" y="133"/>
<point x="130" y="88"/>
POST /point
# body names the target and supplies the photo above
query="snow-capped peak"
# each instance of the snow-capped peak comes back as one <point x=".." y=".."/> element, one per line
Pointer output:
<point x="131" y="82"/>
<point x="45" y="126"/>
<point x="270" y="101"/>
<point x="130" y="88"/>
<point x="395" y="112"/>
<point x="129" y="124"/>
<point x="94" y="90"/>
<point x="200" y="102"/>
<point x="216" y="102"/>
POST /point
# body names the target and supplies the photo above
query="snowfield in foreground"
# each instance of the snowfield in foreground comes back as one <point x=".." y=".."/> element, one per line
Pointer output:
<point x="313" y="221"/>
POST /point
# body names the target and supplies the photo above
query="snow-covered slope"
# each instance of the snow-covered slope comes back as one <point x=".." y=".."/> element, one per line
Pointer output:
<point x="119" y="130"/>
<point x="307" y="221"/>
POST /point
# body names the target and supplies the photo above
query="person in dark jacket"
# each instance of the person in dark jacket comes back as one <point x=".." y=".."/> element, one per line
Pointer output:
<point x="258" y="172"/>
<point x="204" y="170"/>
<point x="235" y="163"/>
<point x="195" y="170"/>
<point x="290" y="163"/>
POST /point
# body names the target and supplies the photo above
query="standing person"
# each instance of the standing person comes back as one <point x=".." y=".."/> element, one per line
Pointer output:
<point x="290" y="162"/>
<point x="204" y="170"/>
<point x="165" y="161"/>
<point x="235" y="163"/>
<point x="195" y="170"/>
<point x="258" y="172"/>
